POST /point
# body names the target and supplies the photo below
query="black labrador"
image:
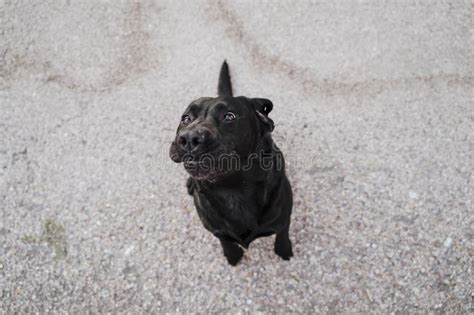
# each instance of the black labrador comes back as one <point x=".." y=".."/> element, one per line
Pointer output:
<point x="237" y="173"/>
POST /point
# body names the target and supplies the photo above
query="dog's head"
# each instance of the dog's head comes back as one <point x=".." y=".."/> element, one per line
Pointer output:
<point x="216" y="135"/>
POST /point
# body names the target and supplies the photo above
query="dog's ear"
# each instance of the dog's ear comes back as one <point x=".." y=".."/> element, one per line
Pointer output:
<point x="263" y="107"/>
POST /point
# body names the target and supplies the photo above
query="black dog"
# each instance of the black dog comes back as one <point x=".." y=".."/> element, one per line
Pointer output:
<point x="237" y="173"/>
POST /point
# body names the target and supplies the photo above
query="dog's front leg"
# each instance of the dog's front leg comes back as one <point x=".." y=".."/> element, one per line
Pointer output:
<point x="232" y="251"/>
<point x="283" y="246"/>
<point x="190" y="185"/>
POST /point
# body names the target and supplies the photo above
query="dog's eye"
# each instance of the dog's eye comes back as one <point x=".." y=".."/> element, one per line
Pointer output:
<point x="186" y="119"/>
<point x="229" y="116"/>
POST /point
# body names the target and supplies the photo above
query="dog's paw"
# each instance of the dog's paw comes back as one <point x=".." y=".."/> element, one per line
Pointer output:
<point x="234" y="256"/>
<point x="284" y="251"/>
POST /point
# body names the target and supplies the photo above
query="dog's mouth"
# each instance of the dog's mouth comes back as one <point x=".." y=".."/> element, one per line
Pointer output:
<point x="211" y="166"/>
<point x="198" y="170"/>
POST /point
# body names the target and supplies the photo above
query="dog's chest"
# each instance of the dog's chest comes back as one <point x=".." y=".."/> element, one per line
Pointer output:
<point x="241" y="207"/>
<point x="231" y="212"/>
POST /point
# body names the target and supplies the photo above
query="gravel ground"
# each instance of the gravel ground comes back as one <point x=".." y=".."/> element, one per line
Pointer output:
<point x="373" y="105"/>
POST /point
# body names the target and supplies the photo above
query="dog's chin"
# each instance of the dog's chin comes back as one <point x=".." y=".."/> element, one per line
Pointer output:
<point x="212" y="166"/>
<point x="203" y="172"/>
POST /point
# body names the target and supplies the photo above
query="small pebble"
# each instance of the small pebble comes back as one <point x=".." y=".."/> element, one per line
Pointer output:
<point x="448" y="242"/>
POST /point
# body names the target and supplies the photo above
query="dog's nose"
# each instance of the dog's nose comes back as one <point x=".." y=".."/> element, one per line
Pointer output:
<point x="190" y="140"/>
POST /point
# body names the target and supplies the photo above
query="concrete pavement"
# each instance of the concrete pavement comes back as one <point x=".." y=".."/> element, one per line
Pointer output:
<point x="373" y="107"/>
